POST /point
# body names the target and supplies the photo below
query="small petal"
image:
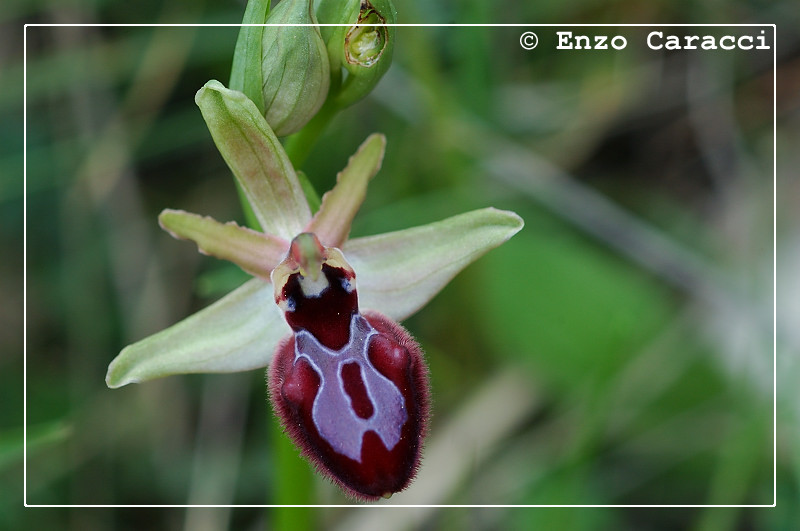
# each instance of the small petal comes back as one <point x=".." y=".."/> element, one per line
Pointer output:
<point x="332" y="222"/>
<point x="255" y="252"/>
<point x="237" y="333"/>
<point x="398" y="272"/>
<point x="257" y="159"/>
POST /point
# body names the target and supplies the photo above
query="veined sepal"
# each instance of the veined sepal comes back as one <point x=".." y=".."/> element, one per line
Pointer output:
<point x="237" y="333"/>
<point x="257" y="159"/>
<point x="399" y="272"/>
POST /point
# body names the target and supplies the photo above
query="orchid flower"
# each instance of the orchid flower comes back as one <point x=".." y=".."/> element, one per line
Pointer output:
<point x="299" y="258"/>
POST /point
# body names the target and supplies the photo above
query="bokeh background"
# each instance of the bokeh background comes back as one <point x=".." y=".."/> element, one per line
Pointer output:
<point x="619" y="350"/>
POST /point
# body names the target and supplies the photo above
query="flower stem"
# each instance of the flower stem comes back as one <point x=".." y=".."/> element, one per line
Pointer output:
<point x="299" y="145"/>
<point x="249" y="215"/>
<point x="293" y="485"/>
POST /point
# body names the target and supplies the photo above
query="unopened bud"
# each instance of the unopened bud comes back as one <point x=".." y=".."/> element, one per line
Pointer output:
<point x="363" y="47"/>
<point x="295" y="67"/>
<point x="283" y="69"/>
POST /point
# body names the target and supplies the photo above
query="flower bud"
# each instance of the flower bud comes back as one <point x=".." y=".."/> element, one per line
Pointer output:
<point x="295" y="67"/>
<point x="283" y="69"/>
<point x="363" y="47"/>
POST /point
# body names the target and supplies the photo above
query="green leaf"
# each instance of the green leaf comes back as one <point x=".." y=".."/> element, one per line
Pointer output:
<point x="257" y="159"/>
<point x="237" y="333"/>
<point x="13" y="445"/>
<point x="399" y="272"/>
<point x="339" y="206"/>
<point x="255" y="252"/>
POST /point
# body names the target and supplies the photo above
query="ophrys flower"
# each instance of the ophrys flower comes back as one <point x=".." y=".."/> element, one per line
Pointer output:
<point x="357" y="287"/>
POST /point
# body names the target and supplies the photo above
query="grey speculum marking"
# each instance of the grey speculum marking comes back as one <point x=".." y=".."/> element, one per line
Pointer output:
<point x="332" y="412"/>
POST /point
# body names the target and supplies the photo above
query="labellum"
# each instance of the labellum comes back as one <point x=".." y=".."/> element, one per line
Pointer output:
<point x="350" y="389"/>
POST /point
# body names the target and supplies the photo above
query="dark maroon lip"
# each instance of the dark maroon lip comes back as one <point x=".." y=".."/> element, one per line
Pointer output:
<point x="327" y="316"/>
<point x="351" y="390"/>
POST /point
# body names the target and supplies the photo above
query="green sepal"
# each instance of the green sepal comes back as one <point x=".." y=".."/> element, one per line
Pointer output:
<point x="246" y="75"/>
<point x="237" y="333"/>
<point x="399" y="272"/>
<point x="256" y="158"/>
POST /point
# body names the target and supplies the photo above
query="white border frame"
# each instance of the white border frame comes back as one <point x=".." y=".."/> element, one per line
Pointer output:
<point x="774" y="260"/>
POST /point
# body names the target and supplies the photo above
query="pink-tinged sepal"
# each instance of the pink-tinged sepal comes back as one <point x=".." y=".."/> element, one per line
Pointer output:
<point x="357" y="407"/>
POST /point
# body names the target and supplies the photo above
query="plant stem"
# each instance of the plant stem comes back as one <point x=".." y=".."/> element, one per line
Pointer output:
<point x="294" y="485"/>
<point x="249" y="216"/>
<point x="298" y="146"/>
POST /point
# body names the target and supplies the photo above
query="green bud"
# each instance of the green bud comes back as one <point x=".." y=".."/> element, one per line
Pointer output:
<point x="363" y="47"/>
<point x="283" y="69"/>
<point x="246" y="68"/>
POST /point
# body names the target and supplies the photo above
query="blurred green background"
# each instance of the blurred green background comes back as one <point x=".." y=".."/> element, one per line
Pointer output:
<point x="616" y="351"/>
